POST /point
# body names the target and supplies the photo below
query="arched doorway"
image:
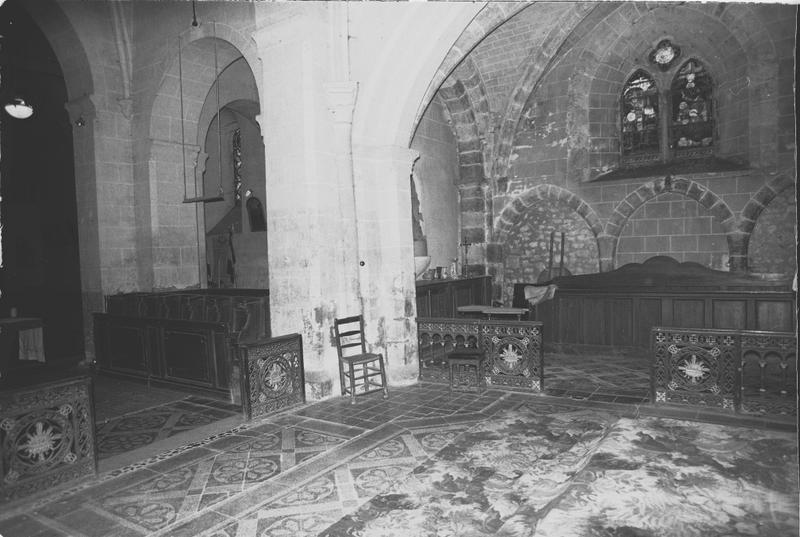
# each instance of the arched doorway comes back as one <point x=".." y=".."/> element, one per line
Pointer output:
<point x="40" y="274"/>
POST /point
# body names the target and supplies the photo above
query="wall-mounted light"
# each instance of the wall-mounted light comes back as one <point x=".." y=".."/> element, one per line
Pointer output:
<point x="19" y="109"/>
<point x="80" y="122"/>
<point x="248" y="193"/>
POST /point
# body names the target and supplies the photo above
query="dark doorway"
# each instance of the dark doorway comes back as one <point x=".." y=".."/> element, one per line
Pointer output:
<point x="40" y="276"/>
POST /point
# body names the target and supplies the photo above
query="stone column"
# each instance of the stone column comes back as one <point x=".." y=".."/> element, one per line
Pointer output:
<point x="82" y="116"/>
<point x="312" y="236"/>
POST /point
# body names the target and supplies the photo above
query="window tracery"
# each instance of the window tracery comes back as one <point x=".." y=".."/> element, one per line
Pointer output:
<point x="640" y="118"/>
<point x="692" y="118"/>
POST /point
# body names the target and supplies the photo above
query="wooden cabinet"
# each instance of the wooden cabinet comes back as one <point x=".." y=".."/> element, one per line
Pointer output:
<point x="440" y="298"/>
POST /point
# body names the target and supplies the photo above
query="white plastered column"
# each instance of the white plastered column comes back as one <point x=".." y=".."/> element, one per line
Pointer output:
<point x="305" y="123"/>
<point x="387" y="283"/>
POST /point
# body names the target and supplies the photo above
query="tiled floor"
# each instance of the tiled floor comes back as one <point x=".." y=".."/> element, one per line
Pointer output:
<point x="295" y="473"/>
<point x="619" y="378"/>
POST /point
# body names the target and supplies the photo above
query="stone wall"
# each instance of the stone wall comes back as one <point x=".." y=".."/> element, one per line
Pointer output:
<point x="436" y="173"/>
<point x="527" y="251"/>
<point x="773" y="244"/>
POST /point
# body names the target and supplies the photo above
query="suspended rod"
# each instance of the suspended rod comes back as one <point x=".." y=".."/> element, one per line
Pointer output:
<point x="219" y="196"/>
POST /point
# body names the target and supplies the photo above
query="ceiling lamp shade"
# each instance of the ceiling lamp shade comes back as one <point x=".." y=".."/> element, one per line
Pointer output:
<point x="19" y="109"/>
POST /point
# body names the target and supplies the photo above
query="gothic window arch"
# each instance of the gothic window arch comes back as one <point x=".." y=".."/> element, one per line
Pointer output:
<point x="640" y="118"/>
<point x="692" y="119"/>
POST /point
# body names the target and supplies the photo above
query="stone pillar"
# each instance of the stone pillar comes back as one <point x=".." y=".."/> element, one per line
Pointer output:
<point x="606" y="246"/>
<point x="386" y="257"/>
<point x="312" y="235"/>
<point x="737" y="246"/>
<point x="82" y="116"/>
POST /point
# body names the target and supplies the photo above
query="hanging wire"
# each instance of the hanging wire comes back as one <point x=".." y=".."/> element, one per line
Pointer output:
<point x="219" y="196"/>
<point x="219" y="111"/>
<point x="183" y="134"/>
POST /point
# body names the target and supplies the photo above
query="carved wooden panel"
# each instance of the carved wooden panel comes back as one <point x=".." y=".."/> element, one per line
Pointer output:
<point x="513" y="349"/>
<point x="695" y="367"/>
<point x="769" y="373"/>
<point x="272" y="375"/>
<point x="46" y="437"/>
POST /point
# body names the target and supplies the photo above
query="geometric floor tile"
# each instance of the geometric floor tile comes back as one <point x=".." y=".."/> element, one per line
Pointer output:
<point x="126" y="433"/>
<point x="331" y="468"/>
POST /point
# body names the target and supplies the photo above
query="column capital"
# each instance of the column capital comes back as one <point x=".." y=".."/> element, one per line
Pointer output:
<point x="82" y="108"/>
<point x="341" y="98"/>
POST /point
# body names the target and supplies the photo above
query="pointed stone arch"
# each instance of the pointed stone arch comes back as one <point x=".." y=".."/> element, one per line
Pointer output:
<point x="758" y="202"/>
<point x="718" y="209"/>
<point x="538" y="65"/>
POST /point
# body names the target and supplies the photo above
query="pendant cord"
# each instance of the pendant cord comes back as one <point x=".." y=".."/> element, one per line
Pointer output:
<point x="183" y="134"/>
<point x="219" y="112"/>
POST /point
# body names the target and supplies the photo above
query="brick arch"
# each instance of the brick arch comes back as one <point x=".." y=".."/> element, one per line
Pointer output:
<point x="514" y="209"/>
<point x="459" y="98"/>
<point x="650" y="190"/>
<point x="758" y="202"/>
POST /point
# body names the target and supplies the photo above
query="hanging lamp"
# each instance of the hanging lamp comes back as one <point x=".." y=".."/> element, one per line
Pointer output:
<point x="220" y="194"/>
<point x="19" y="109"/>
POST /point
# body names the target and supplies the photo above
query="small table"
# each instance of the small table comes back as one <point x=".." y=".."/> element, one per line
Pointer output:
<point x="466" y="369"/>
<point x="489" y="311"/>
<point x="20" y="339"/>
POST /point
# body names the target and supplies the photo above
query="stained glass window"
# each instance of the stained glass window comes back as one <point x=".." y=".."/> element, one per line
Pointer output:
<point x="692" y="118"/>
<point x="639" y="115"/>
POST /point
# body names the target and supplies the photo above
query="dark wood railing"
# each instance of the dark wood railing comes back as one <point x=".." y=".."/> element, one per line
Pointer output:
<point x="742" y="371"/>
<point x="271" y="374"/>
<point x="513" y="350"/>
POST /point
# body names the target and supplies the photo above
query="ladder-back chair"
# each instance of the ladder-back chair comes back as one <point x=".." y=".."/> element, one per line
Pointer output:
<point x="360" y="372"/>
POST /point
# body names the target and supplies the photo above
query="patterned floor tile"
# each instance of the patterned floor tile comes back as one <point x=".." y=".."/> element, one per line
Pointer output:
<point x="301" y="473"/>
<point x="132" y="431"/>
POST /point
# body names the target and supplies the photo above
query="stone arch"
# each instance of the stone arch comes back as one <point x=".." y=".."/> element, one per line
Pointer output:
<point x="718" y="209"/>
<point x="463" y="114"/>
<point x="83" y="69"/>
<point x="484" y="23"/>
<point x="758" y="202"/>
<point x="538" y="65"/>
<point x="511" y="213"/>
<point x="197" y="46"/>
<point x="514" y="213"/>
<point x="172" y="152"/>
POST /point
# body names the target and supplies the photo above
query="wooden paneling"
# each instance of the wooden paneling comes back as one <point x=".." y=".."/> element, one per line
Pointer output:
<point x="775" y="315"/>
<point x="619" y="322"/>
<point x="625" y="319"/>
<point x="192" y="353"/>
<point x="187" y="356"/>
<point x="729" y="314"/>
<point x="592" y="317"/>
<point x="648" y="315"/>
<point x="570" y="319"/>
<point x="688" y="313"/>
<point x="440" y="298"/>
<point x="619" y="308"/>
<point x="123" y="346"/>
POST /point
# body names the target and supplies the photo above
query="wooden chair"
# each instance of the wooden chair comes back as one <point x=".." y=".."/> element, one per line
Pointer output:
<point x="360" y="372"/>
